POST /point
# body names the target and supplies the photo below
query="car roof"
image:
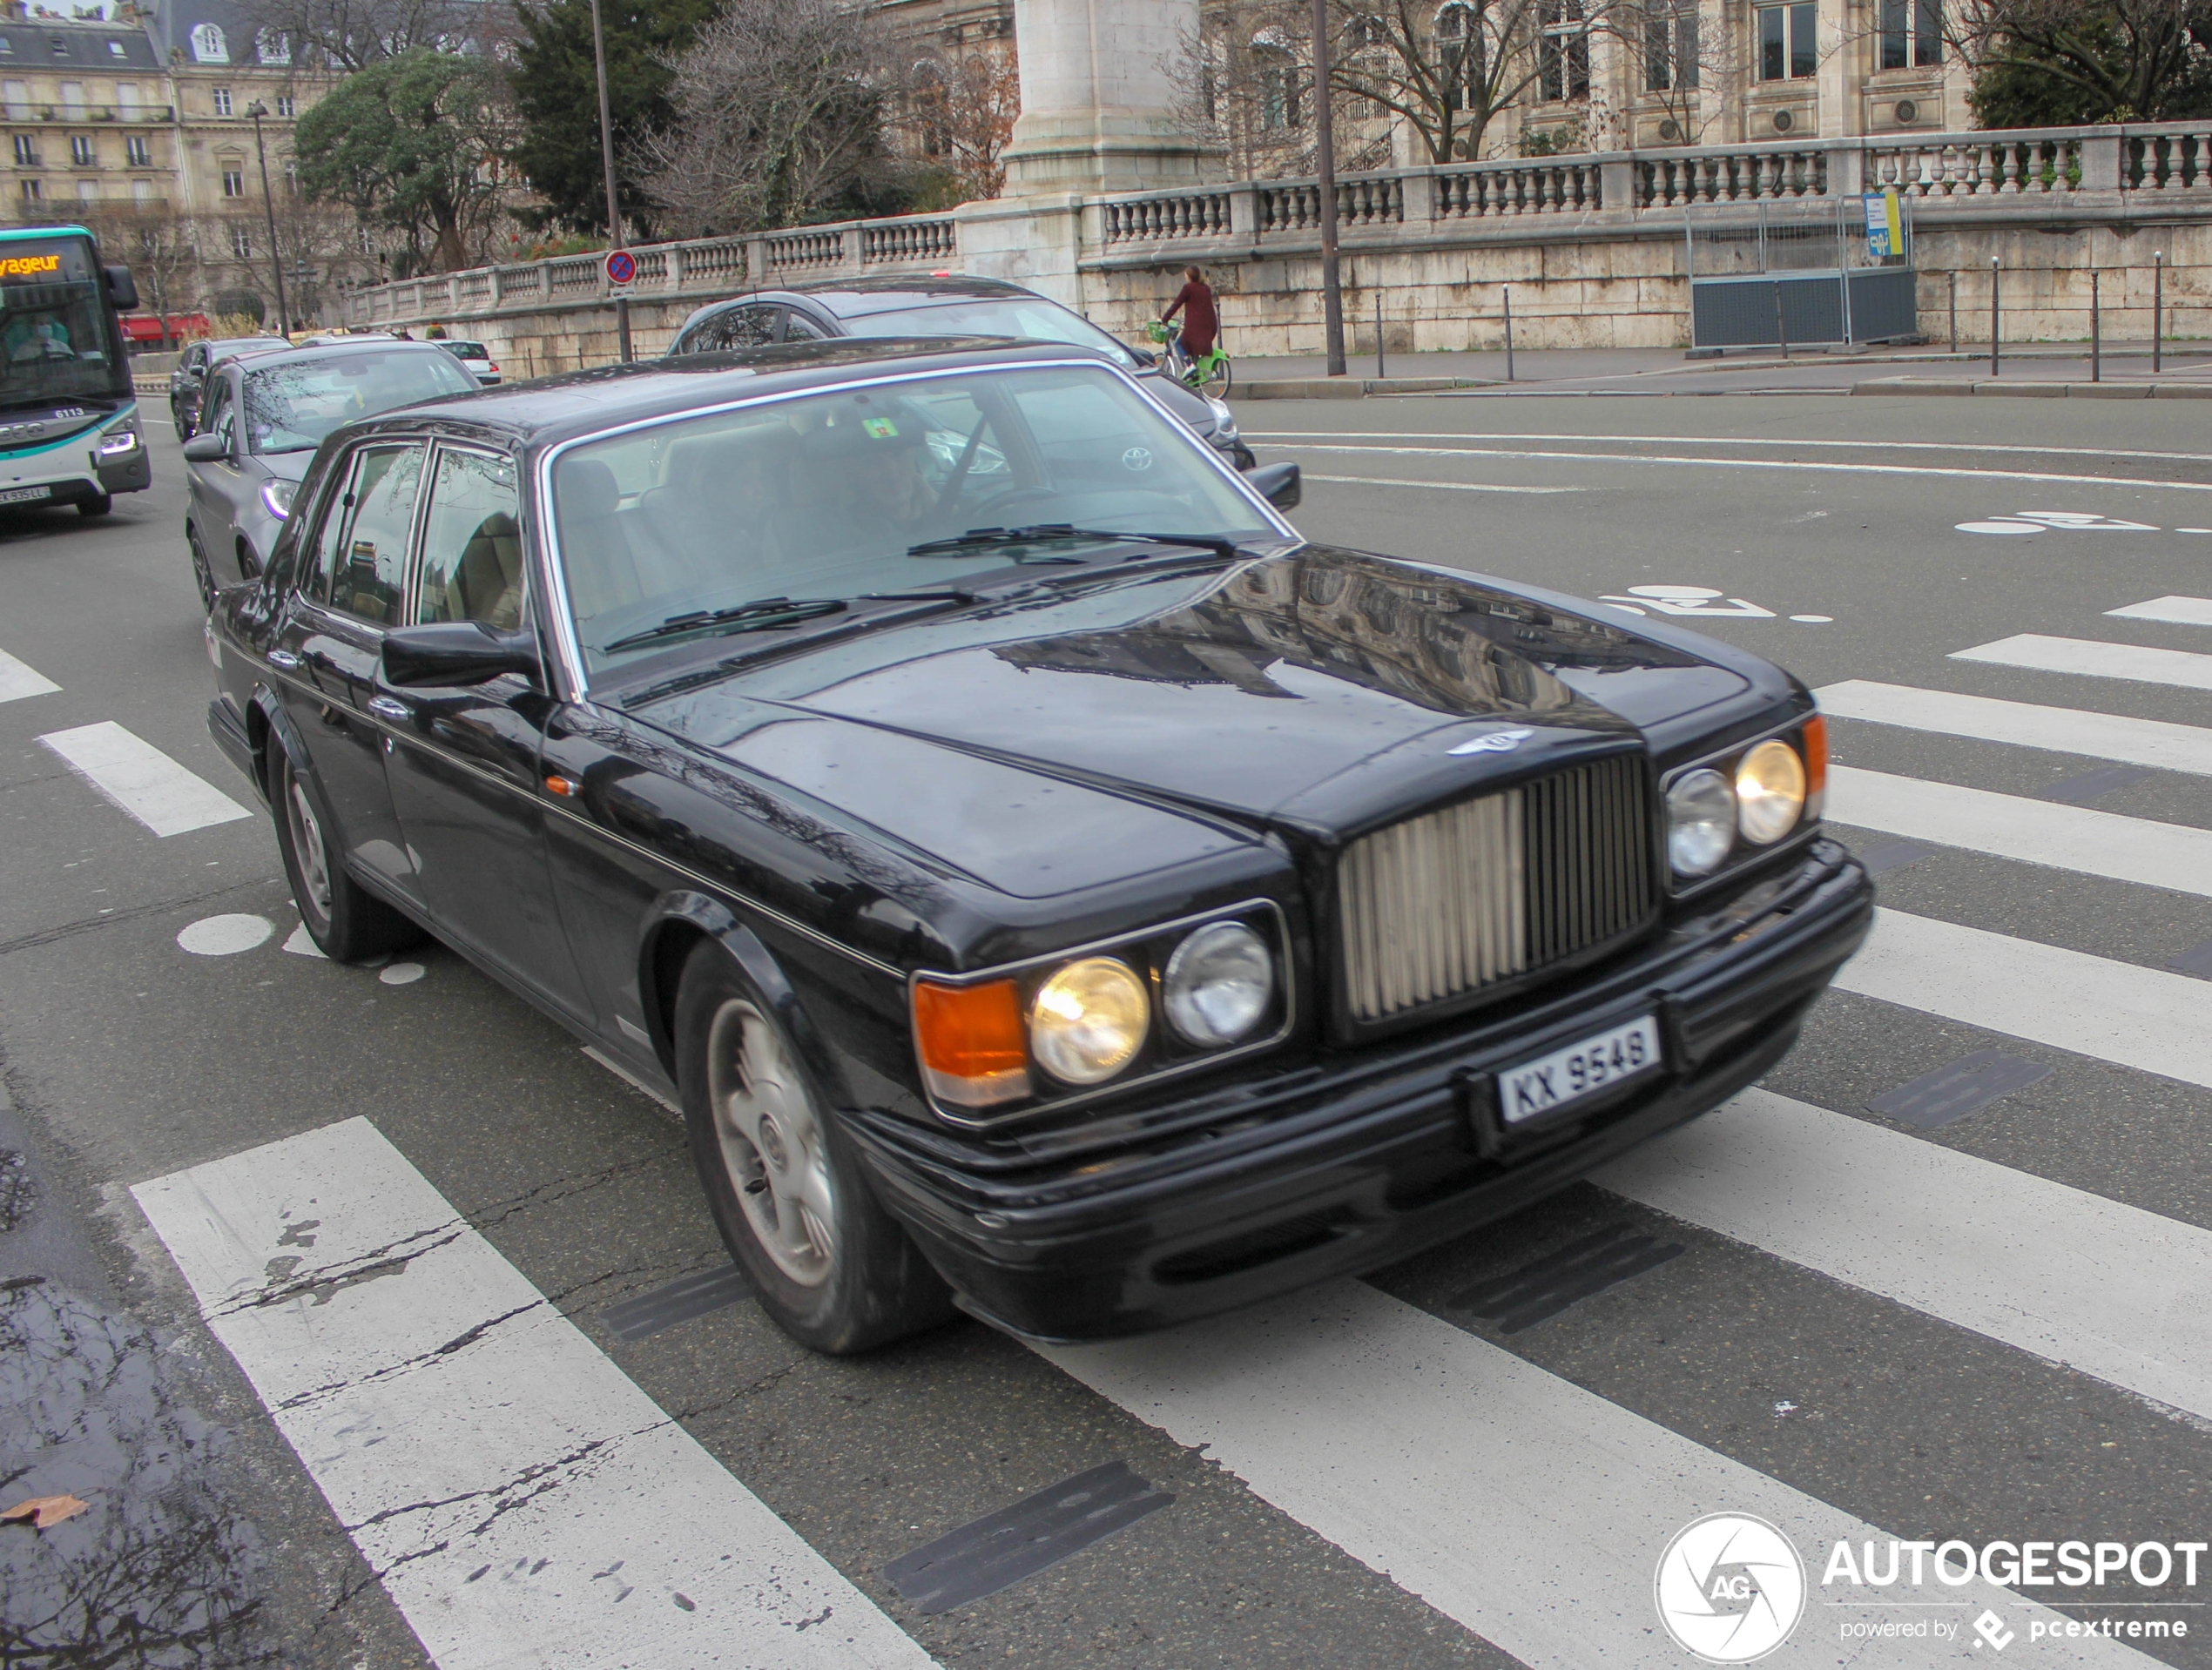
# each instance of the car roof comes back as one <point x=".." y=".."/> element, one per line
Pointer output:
<point x="851" y="297"/>
<point x="223" y="347"/>
<point x="554" y="409"/>
<point x="346" y="350"/>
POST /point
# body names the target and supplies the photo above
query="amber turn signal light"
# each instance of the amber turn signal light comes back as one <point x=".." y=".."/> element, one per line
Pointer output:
<point x="1814" y="739"/>
<point x="974" y="1049"/>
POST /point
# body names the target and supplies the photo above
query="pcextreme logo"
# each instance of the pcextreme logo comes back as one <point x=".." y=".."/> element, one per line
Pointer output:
<point x="1730" y="1588"/>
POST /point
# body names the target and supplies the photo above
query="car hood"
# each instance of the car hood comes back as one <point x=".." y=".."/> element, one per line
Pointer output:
<point x="1319" y="687"/>
<point x="284" y="465"/>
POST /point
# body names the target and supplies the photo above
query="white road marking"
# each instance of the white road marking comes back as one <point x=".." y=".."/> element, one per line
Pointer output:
<point x="17" y="681"/>
<point x="2138" y="663"/>
<point x="2113" y="1011"/>
<point x="224" y="936"/>
<point x="143" y="781"/>
<point x="1455" y="487"/>
<point x="1749" y="441"/>
<point x="401" y="974"/>
<point x="1814" y="620"/>
<point x="2182" y="611"/>
<point x="1747" y="463"/>
<point x="2155" y="743"/>
<point x="1530" y="1509"/>
<point x="522" y="1501"/>
<point x="302" y="943"/>
<point x="2000" y="528"/>
<point x="2112" y="1290"/>
<point x="2089" y="842"/>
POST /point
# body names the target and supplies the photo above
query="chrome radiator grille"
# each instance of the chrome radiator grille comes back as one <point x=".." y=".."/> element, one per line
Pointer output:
<point x="1452" y="901"/>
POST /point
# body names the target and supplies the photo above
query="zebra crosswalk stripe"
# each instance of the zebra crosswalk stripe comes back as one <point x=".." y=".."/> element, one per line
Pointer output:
<point x="2114" y="1012"/>
<point x="2117" y="1292"/>
<point x="2139" y="663"/>
<point x="2155" y="743"/>
<point x="17" y="680"/>
<point x="2179" y="611"/>
<point x="143" y="781"/>
<point x="2087" y="842"/>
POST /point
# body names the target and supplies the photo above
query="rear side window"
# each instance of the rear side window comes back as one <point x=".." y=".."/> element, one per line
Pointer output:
<point x="738" y="327"/>
<point x="361" y="547"/>
<point x="472" y="543"/>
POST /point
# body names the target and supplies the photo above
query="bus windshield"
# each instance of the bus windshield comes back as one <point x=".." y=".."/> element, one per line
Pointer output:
<point x="58" y="334"/>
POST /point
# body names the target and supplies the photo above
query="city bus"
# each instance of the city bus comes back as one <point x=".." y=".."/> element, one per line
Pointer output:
<point x="68" y="416"/>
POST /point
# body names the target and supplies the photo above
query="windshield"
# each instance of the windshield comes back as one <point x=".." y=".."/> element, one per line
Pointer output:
<point x="291" y="408"/>
<point x="58" y="334"/>
<point x="824" y="496"/>
<point x="1030" y="318"/>
<point x="466" y="350"/>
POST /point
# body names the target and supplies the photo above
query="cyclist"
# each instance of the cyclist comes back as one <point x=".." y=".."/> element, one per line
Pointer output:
<point x="1200" y="323"/>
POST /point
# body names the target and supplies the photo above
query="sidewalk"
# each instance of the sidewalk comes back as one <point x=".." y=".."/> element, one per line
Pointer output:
<point x="2043" y="369"/>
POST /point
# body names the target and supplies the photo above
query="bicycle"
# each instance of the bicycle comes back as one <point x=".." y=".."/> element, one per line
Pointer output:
<point x="1210" y="374"/>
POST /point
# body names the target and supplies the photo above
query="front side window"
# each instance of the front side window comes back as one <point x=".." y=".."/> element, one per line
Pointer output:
<point x="362" y="546"/>
<point x="1562" y="50"/>
<point x="1787" y="50"/>
<point x="472" y="543"/>
<point x="291" y="408"/>
<point x="218" y="418"/>
<point x="735" y="327"/>
<point x="824" y="496"/>
<point x="1912" y="33"/>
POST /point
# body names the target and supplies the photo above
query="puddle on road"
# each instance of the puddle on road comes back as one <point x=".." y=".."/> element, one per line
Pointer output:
<point x="159" y="1572"/>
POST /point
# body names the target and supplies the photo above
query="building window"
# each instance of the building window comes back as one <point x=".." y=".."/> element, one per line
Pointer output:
<point x="88" y="191"/>
<point x="222" y="98"/>
<point x="291" y="176"/>
<point x="17" y="96"/>
<point x="26" y="152"/>
<point x="1671" y="45"/>
<point x="138" y="151"/>
<point x="142" y="193"/>
<point x="1459" y="50"/>
<point x="241" y="243"/>
<point x="81" y="154"/>
<point x="126" y="100"/>
<point x="208" y="46"/>
<point x="1562" y="50"/>
<point x="117" y="50"/>
<point x="285" y="107"/>
<point x="32" y="191"/>
<point x="1912" y="33"/>
<point x="1278" y="83"/>
<point x="272" y="46"/>
<point x="233" y="179"/>
<point x="1787" y="51"/>
<point x="73" y="99"/>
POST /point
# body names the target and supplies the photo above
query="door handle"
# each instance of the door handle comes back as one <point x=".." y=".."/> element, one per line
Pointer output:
<point x="386" y="707"/>
<point x="283" y="658"/>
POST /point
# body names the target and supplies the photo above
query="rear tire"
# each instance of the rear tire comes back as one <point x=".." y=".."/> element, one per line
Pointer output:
<point x="785" y="1186"/>
<point x="1220" y="377"/>
<point x="349" y="924"/>
<point x="99" y="507"/>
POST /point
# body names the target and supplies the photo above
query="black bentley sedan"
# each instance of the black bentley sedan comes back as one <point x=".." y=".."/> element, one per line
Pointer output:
<point x="1050" y="884"/>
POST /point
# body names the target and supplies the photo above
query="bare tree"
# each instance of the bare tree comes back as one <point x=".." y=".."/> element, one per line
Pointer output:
<point x="1244" y="86"/>
<point x="778" y="114"/>
<point x="965" y="115"/>
<point x="1681" y="70"/>
<point x="349" y="35"/>
<point x="156" y="243"/>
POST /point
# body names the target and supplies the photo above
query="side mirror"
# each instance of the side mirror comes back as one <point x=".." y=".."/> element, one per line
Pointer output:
<point x="122" y="288"/>
<point x="454" y="652"/>
<point x="207" y="449"/>
<point x="1144" y="357"/>
<point x="1277" y="484"/>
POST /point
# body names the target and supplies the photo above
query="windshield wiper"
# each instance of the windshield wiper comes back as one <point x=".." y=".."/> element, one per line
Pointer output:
<point x="978" y="539"/>
<point x="758" y="616"/>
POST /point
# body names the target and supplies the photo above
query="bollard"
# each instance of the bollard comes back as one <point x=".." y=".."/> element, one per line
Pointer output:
<point x="1995" y="316"/>
<point x="1379" y="359"/>
<point x="2157" y="307"/>
<point x="1509" y="332"/>
<point x="1954" y="313"/>
<point x="2096" y="333"/>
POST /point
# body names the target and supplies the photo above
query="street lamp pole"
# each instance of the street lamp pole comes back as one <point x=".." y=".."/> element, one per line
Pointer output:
<point x="257" y="110"/>
<point x="607" y="161"/>
<point x="1325" y="160"/>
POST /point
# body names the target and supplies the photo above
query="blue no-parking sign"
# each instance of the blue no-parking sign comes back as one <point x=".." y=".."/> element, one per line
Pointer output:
<point x="621" y="268"/>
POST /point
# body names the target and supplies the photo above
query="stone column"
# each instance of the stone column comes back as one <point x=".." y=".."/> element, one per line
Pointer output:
<point x="1096" y="98"/>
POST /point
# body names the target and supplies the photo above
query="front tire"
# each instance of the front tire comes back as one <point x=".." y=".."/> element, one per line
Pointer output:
<point x="203" y="575"/>
<point x="349" y="924"/>
<point x="785" y="1189"/>
<point x="99" y="507"/>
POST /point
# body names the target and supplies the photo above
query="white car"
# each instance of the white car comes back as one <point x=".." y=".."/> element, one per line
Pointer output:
<point x="476" y="356"/>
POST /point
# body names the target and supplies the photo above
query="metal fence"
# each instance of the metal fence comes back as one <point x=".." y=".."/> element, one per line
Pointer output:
<point x="1822" y="273"/>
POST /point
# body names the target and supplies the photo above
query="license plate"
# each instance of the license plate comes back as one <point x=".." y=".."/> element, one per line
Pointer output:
<point x="1581" y="1069"/>
<point x="25" y="495"/>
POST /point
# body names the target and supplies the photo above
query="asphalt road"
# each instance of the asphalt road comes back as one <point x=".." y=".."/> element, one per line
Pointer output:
<point x="1993" y="1327"/>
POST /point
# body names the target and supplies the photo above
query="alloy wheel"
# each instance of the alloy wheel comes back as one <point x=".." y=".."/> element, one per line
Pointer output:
<point x="771" y="1142"/>
<point x="307" y="849"/>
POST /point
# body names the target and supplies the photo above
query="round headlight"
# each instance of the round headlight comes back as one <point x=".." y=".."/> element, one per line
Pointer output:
<point x="1089" y="1020"/>
<point x="1700" y="822"/>
<point x="1219" y="982"/>
<point x="1769" y="793"/>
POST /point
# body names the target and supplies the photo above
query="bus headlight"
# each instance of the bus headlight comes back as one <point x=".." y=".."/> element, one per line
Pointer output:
<point x="119" y="443"/>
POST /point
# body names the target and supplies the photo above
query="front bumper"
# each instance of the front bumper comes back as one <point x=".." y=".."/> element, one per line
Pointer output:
<point x="1359" y="1160"/>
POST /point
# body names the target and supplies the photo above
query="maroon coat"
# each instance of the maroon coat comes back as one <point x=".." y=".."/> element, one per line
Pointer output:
<point x="1200" y="323"/>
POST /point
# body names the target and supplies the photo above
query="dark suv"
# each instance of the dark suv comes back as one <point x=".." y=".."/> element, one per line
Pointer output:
<point x="943" y="303"/>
